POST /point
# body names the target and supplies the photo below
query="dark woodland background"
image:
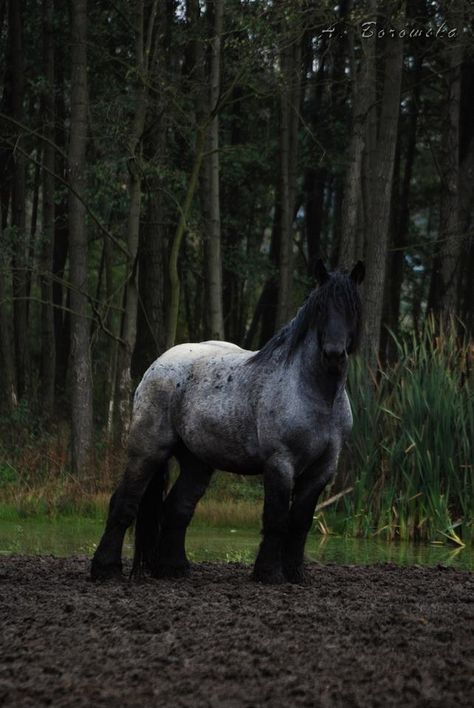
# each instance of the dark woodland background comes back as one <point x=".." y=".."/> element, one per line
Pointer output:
<point x="172" y="170"/>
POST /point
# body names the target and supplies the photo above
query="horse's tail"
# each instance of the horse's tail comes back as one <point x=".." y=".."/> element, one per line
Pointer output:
<point x="148" y="524"/>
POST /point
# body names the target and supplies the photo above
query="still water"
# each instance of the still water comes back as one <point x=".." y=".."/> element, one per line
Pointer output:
<point x="68" y="536"/>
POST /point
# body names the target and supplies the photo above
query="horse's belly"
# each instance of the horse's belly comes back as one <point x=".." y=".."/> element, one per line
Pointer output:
<point x="222" y="445"/>
<point x="239" y="464"/>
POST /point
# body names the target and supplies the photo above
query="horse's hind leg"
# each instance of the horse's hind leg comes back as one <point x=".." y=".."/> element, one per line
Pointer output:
<point x="123" y="507"/>
<point x="178" y="511"/>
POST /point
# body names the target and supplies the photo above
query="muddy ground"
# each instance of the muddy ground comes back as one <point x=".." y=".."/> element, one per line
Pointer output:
<point x="355" y="636"/>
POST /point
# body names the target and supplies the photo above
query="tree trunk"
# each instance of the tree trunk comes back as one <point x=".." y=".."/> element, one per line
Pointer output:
<point x="199" y="63"/>
<point x="337" y="221"/>
<point x="213" y="227"/>
<point x="110" y="387"/>
<point x="274" y="306"/>
<point x="381" y="146"/>
<point x="205" y="112"/>
<point x="81" y="375"/>
<point x="466" y="196"/>
<point x="152" y="251"/>
<point x="394" y="227"/>
<point x="285" y="230"/>
<point x="152" y="278"/>
<point x="31" y="246"/>
<point x="48" y="344"/>
<point x="18" y="216"/>
<point x="314" y="187"/>
<point x="266" y="309"/>
<point x="135" y="166"/>
<point x="233" y="279"/>
<point x="175" y="288"/>
<point x="62" y="318"/>
<point x="402" y="205"/>
<point x="290" y="61"/>
<point x="467" y="312"/>
<point x="7" y="366"/>
<point x="450" y="236"/>
<point x="351" y="246"/>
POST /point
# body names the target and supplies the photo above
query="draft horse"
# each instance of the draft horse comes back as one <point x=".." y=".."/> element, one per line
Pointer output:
<point x="282" y="412"/>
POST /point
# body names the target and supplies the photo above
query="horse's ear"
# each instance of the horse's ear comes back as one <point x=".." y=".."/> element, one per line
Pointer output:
<point x="320" y="272"/>
<point x="358" y="272"/>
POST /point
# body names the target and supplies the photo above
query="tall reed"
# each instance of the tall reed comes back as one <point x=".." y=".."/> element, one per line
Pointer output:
<point x="411" y="456"/>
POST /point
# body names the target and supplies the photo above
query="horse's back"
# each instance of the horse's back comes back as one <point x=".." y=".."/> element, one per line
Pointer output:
<point x="168" y="375"/>
<point x="182" y="354"/>
<point x="174" y="364"/>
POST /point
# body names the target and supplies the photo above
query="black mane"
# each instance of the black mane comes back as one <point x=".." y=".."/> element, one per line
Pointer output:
<point x="340" y="289"/>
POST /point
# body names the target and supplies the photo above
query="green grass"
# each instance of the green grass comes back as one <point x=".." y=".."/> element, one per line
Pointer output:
<point x="410" y="459"/>
<point x="70" y="535"/>
<point x="228" y="502"/>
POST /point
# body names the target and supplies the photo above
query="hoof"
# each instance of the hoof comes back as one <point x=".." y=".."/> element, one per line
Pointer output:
<point x="268" y="576"/>
<point x="295" y="575"/>
<point x="101" y="572"/>
<point x="167" y="570"/>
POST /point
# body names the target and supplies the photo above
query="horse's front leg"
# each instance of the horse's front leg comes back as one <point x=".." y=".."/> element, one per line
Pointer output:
<point x="278" y="484"/>
<point x="307" y="490"/>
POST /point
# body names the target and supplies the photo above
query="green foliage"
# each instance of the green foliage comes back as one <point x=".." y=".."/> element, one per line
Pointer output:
<point x="8" y="476"/>
<point x="412" y="448"/>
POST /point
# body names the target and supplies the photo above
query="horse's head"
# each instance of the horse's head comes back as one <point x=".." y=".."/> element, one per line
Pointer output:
<point x="339" y="314"/>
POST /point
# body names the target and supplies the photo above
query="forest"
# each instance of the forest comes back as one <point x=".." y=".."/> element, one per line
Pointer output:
<point x="172" y="170"/>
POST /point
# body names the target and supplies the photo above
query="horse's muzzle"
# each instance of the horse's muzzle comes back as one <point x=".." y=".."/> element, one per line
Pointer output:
<point x="334" y="359"/>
